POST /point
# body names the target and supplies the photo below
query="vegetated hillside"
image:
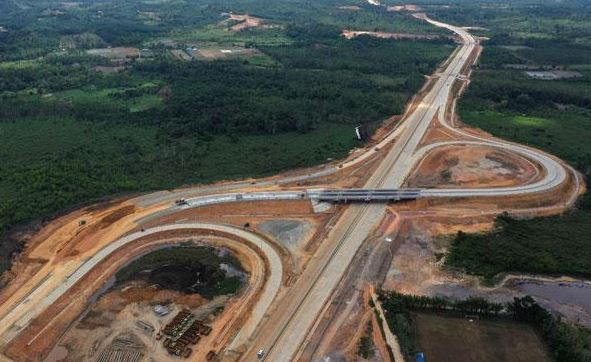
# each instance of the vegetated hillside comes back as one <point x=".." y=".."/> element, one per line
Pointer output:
<point x="137" y="113"/>
<point x="554" y="115"/>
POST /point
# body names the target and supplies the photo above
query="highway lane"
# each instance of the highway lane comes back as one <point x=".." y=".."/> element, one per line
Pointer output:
<point x="283" y="338"/>
<point x="556" y="172"/>
<point x="294" y="319"/>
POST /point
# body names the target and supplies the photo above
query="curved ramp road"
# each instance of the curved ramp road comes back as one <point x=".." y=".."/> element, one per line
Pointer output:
<point x="21" y="315"/>
<point x="555" y="174"/>
<point x="282" y="330"/>
<point x="285" y="336"/>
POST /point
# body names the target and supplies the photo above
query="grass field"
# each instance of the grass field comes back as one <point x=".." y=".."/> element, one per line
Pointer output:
<point x="449" y="339"/>
<point x="563" y="133"/>
<point x="105" y="97"/>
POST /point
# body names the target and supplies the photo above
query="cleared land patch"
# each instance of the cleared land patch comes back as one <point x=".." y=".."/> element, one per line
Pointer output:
<point x="289" y="232"/>
<point x="239" y="22"/>
<point x="350" y="34"/>
<point x="115" y="53"/>
<point x="470" y="166"/>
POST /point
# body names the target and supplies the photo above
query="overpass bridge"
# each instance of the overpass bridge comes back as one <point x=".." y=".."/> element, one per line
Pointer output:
<point x="364" y="195"/>
<point x="324" y="195"/>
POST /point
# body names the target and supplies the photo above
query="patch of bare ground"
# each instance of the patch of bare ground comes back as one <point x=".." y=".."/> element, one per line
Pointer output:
<point x="245" y="21"/>
<point x="44" y="240"/>
<point x="40" y="337"/>
<point x="416" y="266"/>
<point x="350" y="34"/>
<point x="216" y="52"/>
<point x="386" y="127"/>
<point x="438" y="133"/>
<point x="127" y="311"/>
<point x="472" y="166"/>
<point x="115" y="53"/>
<point x="252" y="215"/>
<point x="550" y="202"/>
<point x="413" y="265"/>
<point x="409" y="7"/>
<point x="344" y="320"/>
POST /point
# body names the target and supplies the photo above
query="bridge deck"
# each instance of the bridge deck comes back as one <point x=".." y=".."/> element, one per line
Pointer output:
<point x="365" y="195"/>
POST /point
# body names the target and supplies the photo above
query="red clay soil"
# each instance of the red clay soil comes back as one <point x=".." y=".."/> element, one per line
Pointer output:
<point x="473" y="166"/>
<point x="48" y="327"/>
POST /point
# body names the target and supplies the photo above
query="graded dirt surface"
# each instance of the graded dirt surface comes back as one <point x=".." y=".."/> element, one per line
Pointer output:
<point x="293" y="227"/>
<point x="460" y="166"/>
<point x="416" y="267"/>
<point x="119" y="312"/>
<point x="52" y="323"/>
<point x="246" y="21"/>
<point x="290" y="233"/>
<point x="350" y="7"/>
<point x="449" y="339"/>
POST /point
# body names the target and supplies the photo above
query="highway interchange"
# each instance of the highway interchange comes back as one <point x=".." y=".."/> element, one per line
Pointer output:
<point x="282" y="332"/>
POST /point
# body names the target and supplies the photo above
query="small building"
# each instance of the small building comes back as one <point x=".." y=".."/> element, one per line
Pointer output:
<point x="161" y="310"/>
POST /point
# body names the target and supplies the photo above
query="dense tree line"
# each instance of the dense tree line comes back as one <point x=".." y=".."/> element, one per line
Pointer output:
<point x="472" y="305"/>
<point x="568" y="342"/>
<point x="515" y="92"/>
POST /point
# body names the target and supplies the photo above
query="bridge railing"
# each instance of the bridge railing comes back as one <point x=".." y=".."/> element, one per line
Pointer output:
<point x="365" y="195"/>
